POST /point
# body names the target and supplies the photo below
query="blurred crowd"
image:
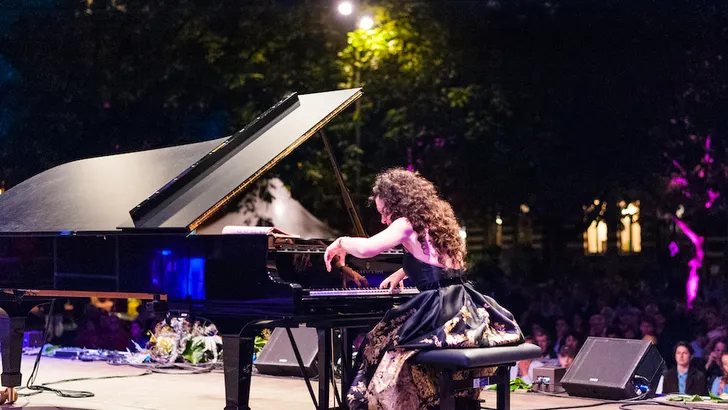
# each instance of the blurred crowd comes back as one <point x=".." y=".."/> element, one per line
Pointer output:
<point x="692" y="341"/>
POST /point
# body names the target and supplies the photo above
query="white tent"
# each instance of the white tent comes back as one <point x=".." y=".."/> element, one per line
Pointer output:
<point x="286" y="213"/>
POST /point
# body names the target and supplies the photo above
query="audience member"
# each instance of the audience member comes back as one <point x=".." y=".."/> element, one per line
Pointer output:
<point x="597" y="326"/>
<point x="562" y="329"/>
<point x="544" y="342"/>
<point x="573" y="340"/>
<point x="524" y="368"/>
<point x="566" y="356"/>
<point x="683" y="378"/>
<point x="716" y="348"/>
<point x="720" y="384"/>
<point x="647" y="328"/>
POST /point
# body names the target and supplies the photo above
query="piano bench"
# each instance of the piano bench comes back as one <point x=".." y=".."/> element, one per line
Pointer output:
<point x="448" y="361"/>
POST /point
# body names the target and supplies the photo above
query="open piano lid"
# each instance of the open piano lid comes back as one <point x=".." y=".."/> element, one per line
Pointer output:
<point x="171" y="189"/>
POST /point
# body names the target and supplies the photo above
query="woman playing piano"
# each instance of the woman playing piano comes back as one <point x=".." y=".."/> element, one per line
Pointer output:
<point x="447" y="313"/>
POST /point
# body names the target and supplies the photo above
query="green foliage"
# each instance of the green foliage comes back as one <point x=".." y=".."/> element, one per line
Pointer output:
<point x="259" y="344"/>
<point x="260" y="340"/>
<point x="202" y="349"/>
<point x="716" y="399"/>
<point x="194" y="351"/>
<point x="393" y="43"/>
<point x="685" y="398"/>
<point x="695" y="398"/>
<point x="405" y="66"/>
<point x="514" y="385"/>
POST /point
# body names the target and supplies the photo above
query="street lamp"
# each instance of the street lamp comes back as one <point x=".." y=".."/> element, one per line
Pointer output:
<point x="346" y="8"/>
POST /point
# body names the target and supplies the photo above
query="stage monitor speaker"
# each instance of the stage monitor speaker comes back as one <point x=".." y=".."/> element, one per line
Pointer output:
<point x="277" y="357"/>
<point x="614" y="369"/>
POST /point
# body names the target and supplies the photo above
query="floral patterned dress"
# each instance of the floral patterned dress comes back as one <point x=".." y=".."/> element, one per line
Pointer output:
<point x="447" y="313"/>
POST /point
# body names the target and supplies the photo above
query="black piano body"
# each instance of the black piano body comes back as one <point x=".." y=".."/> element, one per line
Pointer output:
<point x="134" y="225"/>
<point x="199" y="274"/>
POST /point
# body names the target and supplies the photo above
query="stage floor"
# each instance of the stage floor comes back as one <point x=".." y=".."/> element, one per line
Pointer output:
<point x="206" y="391"/>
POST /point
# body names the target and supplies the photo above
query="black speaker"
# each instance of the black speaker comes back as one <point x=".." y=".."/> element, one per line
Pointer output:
<point x="614" y="369"/>
<point x="277" y="357"/>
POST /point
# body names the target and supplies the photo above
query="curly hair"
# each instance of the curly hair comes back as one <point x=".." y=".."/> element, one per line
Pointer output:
<point x="407" y="194"/>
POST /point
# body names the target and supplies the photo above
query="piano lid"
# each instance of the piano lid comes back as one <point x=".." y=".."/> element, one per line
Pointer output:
<point x="171" y="189"/>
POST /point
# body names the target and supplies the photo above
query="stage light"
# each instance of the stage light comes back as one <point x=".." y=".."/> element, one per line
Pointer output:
<point x="366" y="23"/>
<point x="346" y="8"/>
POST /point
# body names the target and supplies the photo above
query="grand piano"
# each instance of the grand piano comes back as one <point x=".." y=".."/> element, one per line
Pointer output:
<point x="137" y="225"/>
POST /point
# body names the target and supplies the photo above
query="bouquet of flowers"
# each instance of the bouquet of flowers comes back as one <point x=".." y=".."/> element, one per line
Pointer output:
<point x="179" y="340"/>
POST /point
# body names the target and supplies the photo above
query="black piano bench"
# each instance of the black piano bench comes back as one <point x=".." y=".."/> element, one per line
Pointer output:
<point x="448" y="361"/>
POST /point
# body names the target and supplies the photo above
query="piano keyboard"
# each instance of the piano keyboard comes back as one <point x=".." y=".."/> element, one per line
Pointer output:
<point x="361" y="292"/>
<point x="321" y="249"/>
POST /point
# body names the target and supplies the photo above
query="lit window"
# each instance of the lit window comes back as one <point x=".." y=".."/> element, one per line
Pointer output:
<point x="498" y="234"/>
<point x="595" y="237"/>
<point x="630" y="235"/>
<point x="525" y="226"/>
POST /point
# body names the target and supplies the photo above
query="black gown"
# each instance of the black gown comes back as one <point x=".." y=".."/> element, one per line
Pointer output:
<point x="447" y="313"/>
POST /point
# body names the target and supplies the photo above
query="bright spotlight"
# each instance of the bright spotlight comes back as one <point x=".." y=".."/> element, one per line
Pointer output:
<point x="345" y="8"/>
<point x="366" y="23"/>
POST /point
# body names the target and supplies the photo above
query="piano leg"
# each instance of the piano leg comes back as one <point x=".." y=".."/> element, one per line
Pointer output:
<point x="348" y="336"/>
<point x="346" y="368"/>
<point x="324" y="366"/>
<point x="238" y="368"/>
<point x="11" y="342"/>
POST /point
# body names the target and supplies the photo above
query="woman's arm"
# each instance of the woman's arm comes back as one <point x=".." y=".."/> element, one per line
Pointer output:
<point x="394" y="235"/>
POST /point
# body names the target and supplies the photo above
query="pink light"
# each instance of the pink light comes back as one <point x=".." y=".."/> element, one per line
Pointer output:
<point x="679" y="181"/>
<point x="691" y="286"/>
<point x="707" y="144"/>
<point x="674" y="249"/>
<point x="677" y="165"/>
<point x="712" y="196"/>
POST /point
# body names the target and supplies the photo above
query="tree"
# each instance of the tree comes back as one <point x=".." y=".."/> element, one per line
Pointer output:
<point x="696" y="153"/>
<point x="411" y="101"/>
